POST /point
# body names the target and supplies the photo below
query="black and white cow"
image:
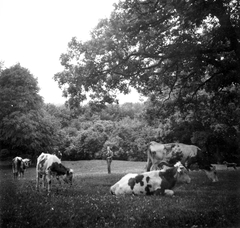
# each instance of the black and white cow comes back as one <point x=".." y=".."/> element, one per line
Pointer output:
<point x="49" y="166"/>
<point x="153" y="182"/>
<point x="18" y="167"/>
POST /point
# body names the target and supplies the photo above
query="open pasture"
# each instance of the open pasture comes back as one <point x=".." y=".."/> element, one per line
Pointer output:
<point x="89" y="204"/>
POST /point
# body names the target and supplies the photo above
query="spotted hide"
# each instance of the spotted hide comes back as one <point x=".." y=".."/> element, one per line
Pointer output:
<point x="157" y="182"/>
<point x="49" y="166"/>
<point x="173" y="152"/>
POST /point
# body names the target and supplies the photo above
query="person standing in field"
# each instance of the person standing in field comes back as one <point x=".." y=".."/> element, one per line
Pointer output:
<point x="109" y="159"/>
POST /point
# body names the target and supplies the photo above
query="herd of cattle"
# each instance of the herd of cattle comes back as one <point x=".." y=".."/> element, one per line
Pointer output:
<point x="167" y="164"/>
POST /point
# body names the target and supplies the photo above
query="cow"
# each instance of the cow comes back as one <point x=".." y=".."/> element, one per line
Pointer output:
<point x="18" y="167"/>
<point x="158" y="182"/>
<point x="171" y="153"/>
<point x="27" y="162"/>
<point x="234" y="165"/>
<point x="49" y="166"/>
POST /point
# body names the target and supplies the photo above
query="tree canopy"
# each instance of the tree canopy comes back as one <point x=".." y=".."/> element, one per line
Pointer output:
<point x="183" y="55"/>
<point x="169" y="50"/>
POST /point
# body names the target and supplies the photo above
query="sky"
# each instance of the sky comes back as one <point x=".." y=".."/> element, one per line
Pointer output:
<point x="35" y="33"/>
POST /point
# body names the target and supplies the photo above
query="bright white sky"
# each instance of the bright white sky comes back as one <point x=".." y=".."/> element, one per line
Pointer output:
<point x="35" y="33"/>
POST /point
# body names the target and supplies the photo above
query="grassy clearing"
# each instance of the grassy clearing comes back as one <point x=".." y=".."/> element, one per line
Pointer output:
<point x="89" y="204"/>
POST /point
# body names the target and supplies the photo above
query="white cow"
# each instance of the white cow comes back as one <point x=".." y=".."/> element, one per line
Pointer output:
<point x="48" y="166"/>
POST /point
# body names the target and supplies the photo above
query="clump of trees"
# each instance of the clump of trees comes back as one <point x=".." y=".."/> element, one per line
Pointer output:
<point x="24" y="126"/>
<point x="183" y="55"/>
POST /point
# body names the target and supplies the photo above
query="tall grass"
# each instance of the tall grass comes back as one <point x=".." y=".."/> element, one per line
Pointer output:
<point x="89" y="204"/>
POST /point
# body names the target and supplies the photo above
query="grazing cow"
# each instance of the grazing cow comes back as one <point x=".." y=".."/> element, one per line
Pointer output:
<point x="18" y="167"/>
<point x="234" y="165"/>
<point x="153" y="182"/>
<point x="48" y="166"/>
<point x="171" y="153"/>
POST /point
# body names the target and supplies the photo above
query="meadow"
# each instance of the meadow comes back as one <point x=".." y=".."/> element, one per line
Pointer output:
<point x="88" y="202"/>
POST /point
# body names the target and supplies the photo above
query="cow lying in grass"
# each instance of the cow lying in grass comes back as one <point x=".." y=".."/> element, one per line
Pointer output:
<point x="234" y="165"/>
<point x="49" y="166"/>
<point x="159" y="182"/>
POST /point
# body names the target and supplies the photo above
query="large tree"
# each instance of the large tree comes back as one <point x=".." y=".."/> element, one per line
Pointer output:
<point x="169" y="49"/>
<point x="23" y="126"/>
<point x="183" y="55"/>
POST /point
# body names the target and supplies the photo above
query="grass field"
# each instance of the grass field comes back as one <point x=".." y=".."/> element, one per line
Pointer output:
<point x="89" y="204"/>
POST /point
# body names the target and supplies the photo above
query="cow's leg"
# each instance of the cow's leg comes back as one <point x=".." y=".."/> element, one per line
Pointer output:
<point x="43" y="181"/>
<point x="159" y="191"/>
<point x="149" y="164"/>
<point x="169" y="192"/>
<point x="14" y="174"/>
<point x="37" y="181"/>
<point x="154" y="167"/>
<point x="59" y="182"/>
<point x="48" y="178"/>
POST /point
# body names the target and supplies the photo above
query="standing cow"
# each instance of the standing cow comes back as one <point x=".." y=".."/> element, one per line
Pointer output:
<point x="171" y="153"/>
<point x="18" y="167"/>
<point x="153" y="182"/>
<point x="48" y="166"/>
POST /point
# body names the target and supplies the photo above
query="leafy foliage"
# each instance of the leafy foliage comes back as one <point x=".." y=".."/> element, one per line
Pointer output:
<point x="165" y="48"/>
<point x="183" y="55"/>
<point x="23" y="126"/>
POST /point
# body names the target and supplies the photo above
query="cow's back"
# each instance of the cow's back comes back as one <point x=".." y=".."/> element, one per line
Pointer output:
<point x="44" y="161"/>
<point x="188" y="151"/>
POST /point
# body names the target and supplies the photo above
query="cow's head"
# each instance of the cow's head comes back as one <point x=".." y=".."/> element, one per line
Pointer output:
<point x="182" y="174"/>
<point x="212" y="174"/>
<point x="61" y="170"/>
<point x="68" y="177"/>
<point x="27" y="162"/>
